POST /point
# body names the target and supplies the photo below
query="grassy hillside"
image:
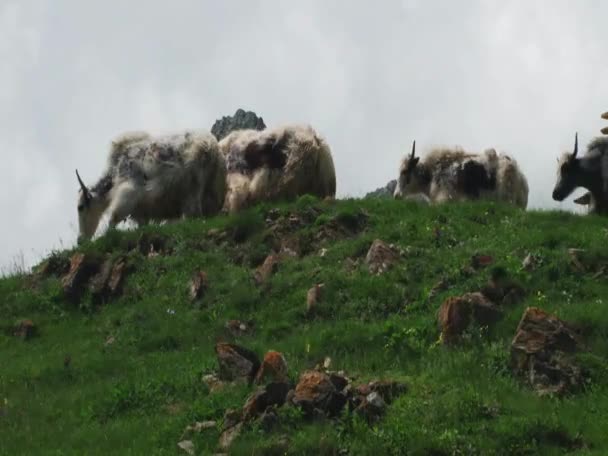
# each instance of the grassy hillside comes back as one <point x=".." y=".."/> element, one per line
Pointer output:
<point x="122" y="374"/>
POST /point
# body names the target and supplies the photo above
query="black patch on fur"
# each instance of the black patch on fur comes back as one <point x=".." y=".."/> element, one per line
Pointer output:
<point x="473" y="178"/>
<point x="269" y="153"/>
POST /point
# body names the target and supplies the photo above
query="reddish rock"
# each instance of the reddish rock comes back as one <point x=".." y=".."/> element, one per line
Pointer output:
<point x="541" y="352"/>
<point x="198" y="285"/>
<point x="24" y="329"/>
<point x="315" y="391"/>
<point x="274" y="366"/>
<point x="381" y="257"/>
<point x="236" y="362"/>
<point x="82" y="267"/>
<point x="270" y="266"/>
<point x="119" y="270"/>
<point x="456" y="313"/>
<point x="273" y="394"/>
<point x="313" y="296"/>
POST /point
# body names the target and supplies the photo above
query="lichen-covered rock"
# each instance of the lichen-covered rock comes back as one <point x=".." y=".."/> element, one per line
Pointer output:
<point x="270" y="266"/>
<point x="381" y="257"/>
<point x="82" y="267"/>
<point x="236" y="362"/>
<point x="241" y="120"/>
<point x="198" y="285"/>
<point x="542" y="353"/>
<point x="316" y="392"/>
<point x="274" y="366"/>
<point x="456" y="313"/>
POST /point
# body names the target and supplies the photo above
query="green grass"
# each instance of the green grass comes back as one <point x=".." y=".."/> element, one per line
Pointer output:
<point x="136" y="395"/>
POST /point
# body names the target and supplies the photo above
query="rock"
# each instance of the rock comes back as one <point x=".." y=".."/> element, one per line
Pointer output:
<point x="152" y="244"/>
<point x="108" y="280"/>
<point x="388" y="390"/>
<point x="198" y="285"/>
<point x="187" y="446"/>
<point x="274" y="366"/>
<point x="575" y="259"/>
<point x="239" y="328"/>
<point x="82" y="267"/>
<point x="455" y="314"/>
<point x="500" y="289"/>
<point x="229" y="436"/>
<point x="241" y="120"/>
<point x="542" y="353"/>
<point x="380" y="257"/>
<point x="231" y="418"/>
<point x="24" y="329"/>
<point x="383" y="192"/>
<point x="267" y="269"/>
<point x="272" y="395"/>
<point x="372" y="407"/>
<point x="198" y="427"/>
<point x="55" y="265"/>
<point x="315" y="391"/>
<point x="236" y="362"/>
<point x="313" y="296"/>
<point x="269" y="420"/>
<point x="531" y="262"/>
<point x="339" y="381"/>
<point x="213" y="382"/>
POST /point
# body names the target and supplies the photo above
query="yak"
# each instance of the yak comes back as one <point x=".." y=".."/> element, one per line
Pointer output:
<point x="155" y="178"/>
<point x="589" y="171"/>
<point x="451" y="174"/>
<point x="275" y="164"/>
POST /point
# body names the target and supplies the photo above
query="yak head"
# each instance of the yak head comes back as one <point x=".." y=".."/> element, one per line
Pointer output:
<point x="90" y="210"/>
<point x="411" y="176"/>
<point x="568" y="171"/>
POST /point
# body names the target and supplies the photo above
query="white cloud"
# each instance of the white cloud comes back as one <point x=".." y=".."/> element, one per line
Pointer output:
<point x="519" y="76"/>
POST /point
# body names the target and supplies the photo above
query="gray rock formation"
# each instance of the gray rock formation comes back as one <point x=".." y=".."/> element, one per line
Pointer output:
<point x="241" y="120"/>
<point x="383" y="192"/>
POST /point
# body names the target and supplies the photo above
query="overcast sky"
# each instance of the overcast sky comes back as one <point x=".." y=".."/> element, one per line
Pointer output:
<point x="521" y="76"/>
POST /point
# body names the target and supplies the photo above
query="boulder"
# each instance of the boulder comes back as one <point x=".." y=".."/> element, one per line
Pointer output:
<point x="82" y="267"/>
<point x="264" y="272"/>
<point x="456" y="313"/>
<point x="313" y="296"/>
<point x="236" y="363"/>
<point x="542" y="353"/>
<point x="316" y="392"/>
<point x="274" y="366"/>
<point x="241" y="120"/>
<point x="272" y="395"/>
<point x="198" y="285"/>
<point x="384" y="192"/>
<point x="381" y="257"/>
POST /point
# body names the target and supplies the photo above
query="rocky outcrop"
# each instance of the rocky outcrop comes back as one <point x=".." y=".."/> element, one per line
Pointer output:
<point x="542" y="353"/>
<point x="383" y="192"/>
<point x="241" y="120"/>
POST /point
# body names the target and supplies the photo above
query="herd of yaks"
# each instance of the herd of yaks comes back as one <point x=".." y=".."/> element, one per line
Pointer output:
<point x="191" y="174"/>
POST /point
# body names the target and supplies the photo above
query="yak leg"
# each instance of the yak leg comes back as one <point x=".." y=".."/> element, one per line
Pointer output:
<point x="124" y="202"/>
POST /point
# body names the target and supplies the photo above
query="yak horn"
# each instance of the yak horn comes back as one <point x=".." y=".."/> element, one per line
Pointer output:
<point x="85" y="190"/>
<point x="413" y="150"/>
<point x="575" y="145"/>
<point x="605" y="115"/>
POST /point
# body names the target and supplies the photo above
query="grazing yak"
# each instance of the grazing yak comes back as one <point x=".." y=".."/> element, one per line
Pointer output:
<point x="451" y="174"/>
<point x="155" y="178"/>
<point x="589" y="172"/>
<point x="276" y="164"/>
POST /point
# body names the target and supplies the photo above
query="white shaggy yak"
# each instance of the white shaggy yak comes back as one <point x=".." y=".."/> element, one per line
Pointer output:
<point x="155" y="178"/>
<point x="276" y="164"/>
<point x="451" y="174"/>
